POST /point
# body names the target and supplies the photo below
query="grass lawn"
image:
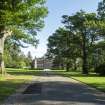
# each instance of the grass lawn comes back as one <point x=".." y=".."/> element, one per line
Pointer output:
<point x="92" y="79"/>
<point x="13" y="80"/>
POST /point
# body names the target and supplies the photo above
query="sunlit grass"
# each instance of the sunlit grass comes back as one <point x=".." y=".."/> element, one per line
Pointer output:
<point x="92" y="79"/>
<point x="97" y="82"/>
<point x="13" y="80"/>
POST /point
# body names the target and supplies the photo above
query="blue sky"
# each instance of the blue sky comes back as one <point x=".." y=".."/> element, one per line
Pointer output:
<point x="56" y="9"/>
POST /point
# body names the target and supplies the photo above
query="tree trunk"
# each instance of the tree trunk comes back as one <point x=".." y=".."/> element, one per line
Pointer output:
<point x="67" y="67"/>
<point x="75" y="65"/>
<point x="85" y="63"/>
<point x="3" y="35"/>
<point x="2" y="70"/>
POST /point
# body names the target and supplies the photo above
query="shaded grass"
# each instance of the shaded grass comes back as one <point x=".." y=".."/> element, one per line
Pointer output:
<point x="92" y="79"/>
<point x="13" y="80"/>
<point x="23" y="72"/>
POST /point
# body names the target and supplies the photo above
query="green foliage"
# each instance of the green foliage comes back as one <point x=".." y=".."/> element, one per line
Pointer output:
<point x="13" y="57"/>
<point x="100" y="69"/>
<point x="23" y="17"/>
<point x="101" y="9"/>
<point x="29" y="59"/>
<point x="74" y="40"/>
<point x="21" y="20"/>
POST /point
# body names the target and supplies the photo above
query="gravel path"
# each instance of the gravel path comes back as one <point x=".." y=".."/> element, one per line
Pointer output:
<point x="57" y="90"/>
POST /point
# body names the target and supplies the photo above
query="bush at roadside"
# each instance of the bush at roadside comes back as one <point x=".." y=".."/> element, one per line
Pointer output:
<point x="100" y="69"/>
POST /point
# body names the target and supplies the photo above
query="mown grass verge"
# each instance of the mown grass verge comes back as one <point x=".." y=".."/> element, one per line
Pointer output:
<point x="13" y="80"/>
<point x="92" y="79"/>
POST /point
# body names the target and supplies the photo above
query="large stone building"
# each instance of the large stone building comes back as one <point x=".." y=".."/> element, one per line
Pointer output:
<point x="42" y="63"/>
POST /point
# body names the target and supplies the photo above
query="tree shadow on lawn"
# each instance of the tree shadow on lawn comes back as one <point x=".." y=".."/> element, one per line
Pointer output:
<point x="31" y="72"/>
<point x="100" y="86"/>
<point x="24" y="72"/>
<point x="60" y="91"/>
<point x="7" y="87"/>
<point x="77" y="74"/>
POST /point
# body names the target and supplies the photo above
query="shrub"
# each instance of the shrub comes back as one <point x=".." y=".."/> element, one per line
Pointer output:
<point x="100" y="69"/>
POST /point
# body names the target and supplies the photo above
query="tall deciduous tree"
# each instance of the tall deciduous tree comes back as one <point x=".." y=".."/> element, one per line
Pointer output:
<point x="63" y="48"/>
<point x="76" y="39"/>
<point x="55" y="43"/>
<point x="22" y="19"/>
<point x="78" y="26"/>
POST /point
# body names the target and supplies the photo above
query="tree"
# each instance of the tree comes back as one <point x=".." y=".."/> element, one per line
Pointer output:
<point x="55" y="47"/>
<point x="77" y="24"/>
<point x="21" y="19"/>
<point x="13" y="56"/>
<point x="62" y="48"/>
<point x="29" y="59"/>
<point x="73" y="51"/>
<point x="76" y="39"/>
<point x="101" y="9"/>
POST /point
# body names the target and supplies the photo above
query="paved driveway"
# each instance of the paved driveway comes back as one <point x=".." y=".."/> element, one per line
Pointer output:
<point x="57" y="90"/>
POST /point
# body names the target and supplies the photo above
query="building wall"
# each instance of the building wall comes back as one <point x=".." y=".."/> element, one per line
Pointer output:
<point x="43" y="63"/>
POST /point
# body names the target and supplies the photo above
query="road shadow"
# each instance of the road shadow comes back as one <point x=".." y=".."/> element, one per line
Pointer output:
<point x="58" y="91"/>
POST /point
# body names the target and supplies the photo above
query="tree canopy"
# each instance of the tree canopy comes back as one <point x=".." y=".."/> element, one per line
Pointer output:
<point x="20" y="19"/>
<point x="79" y="39"/>
<point x="23" y="17"/>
